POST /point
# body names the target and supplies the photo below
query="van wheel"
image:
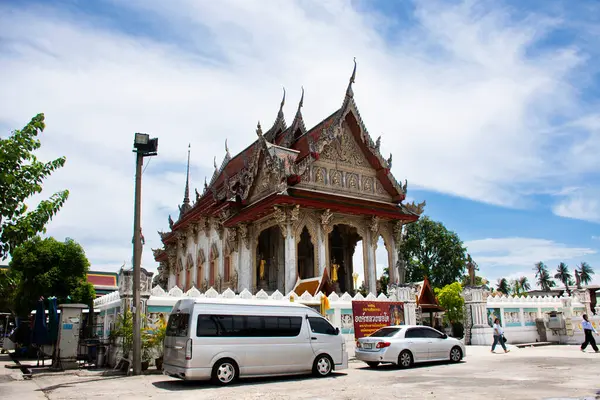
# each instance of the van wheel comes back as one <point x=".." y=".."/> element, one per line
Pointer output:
<point x="405" y="359"/>
<point x="224" y="372"/>
<point x="323" y="366"/>
<point x="456" y="354"/>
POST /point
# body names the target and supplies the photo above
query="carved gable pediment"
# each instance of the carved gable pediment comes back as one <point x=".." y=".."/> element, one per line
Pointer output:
<point x="345" y="151"/>
<point x="262" y="183"/>
<point x="276" y="164"/>
<point x="343" y="167"/>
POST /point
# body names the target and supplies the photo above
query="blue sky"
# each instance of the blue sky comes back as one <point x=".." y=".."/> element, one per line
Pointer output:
<point x="489" y="108"/>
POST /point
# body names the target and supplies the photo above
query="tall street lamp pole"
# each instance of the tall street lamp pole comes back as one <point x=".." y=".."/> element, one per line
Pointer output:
<point x="143" y="147"/>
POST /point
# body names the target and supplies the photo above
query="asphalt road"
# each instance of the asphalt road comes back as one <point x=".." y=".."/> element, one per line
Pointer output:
<point x="553" y="372"/>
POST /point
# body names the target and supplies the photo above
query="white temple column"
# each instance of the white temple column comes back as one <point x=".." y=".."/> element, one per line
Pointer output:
<point x="371" y="268"/>
<point x="194" y="274"/>
<point x="207" y="263"/>
<point x="291" y="260"/>
<point x="220" y="263"/>
<point x="392" y="260"/>
<point x="246" y="264"/>
<point x="172" y="281"/>
<point x="321" y="248"/>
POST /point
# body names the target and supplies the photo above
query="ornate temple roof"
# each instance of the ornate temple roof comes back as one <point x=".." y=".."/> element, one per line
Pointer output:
<point x="287" y="152"/>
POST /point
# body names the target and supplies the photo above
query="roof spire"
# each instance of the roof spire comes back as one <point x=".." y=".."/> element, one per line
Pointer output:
<point x="280" y="113"/>
<point x="186" y="195"/>
<point x="301" y="99"/>
<point x="259" y="129"/>
<point x="226" y="149"/>
<point x="215" y="162"/>
<point x="349" y="91"/>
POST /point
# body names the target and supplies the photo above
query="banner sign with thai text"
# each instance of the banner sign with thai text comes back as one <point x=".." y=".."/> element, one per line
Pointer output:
<point x="370" y="316"/>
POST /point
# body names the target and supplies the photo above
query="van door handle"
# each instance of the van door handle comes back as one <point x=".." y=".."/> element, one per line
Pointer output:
<point x="313" y="338"/>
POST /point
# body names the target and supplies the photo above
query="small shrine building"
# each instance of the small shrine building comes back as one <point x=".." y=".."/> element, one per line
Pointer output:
<point x="291" y="207"/>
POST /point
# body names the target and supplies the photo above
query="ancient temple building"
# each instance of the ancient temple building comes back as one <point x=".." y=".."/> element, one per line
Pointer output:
<point x="292" y="205"/>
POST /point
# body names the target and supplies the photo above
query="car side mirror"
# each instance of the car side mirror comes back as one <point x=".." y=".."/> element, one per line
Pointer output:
<point x="337" y="331"/>
<point x="444" y="336"/>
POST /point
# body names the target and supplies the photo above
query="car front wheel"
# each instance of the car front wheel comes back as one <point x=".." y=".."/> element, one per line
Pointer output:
<point x="323" y="366"/>
<point x="456" y="354"/>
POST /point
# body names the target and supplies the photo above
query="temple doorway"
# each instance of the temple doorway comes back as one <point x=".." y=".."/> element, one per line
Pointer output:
<point x="306" y="256"/>
<point x="270" y="260"/>
<point x="342" y="245"/>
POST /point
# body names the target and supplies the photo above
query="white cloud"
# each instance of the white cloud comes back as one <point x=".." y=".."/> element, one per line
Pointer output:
<point x="519" y="251"/>
<point x="583" y="204"/>
<point x="456" y="96"/>
<point x="515" y="257"/>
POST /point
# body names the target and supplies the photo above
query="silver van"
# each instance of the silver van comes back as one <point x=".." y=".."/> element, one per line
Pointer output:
<point x="224" y="339"/>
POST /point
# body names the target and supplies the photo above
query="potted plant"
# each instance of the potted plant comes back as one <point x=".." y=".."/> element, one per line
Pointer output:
<point x="124" y="331"/>
<point x="147" y="344"/>
<point x="158" y="342"/>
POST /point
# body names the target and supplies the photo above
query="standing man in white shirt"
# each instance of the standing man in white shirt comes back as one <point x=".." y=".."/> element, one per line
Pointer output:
<point x="588" y="329"/>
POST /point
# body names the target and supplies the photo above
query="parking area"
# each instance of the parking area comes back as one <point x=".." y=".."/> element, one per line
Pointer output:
<point x="552" y="372"/>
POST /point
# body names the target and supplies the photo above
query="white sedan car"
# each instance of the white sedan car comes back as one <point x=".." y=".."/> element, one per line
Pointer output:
<point x="405" y="345"/>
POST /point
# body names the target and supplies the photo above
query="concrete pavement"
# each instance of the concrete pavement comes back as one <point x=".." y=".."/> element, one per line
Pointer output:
<point x="12" y="384"/>
<point x="552" y="372"/>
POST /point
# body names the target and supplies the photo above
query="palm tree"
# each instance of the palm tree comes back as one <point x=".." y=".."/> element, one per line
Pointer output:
<point x="585" y="273"/>
<point x="564" y="275"/>
<point x="544" y="280"/>
<point x="539" y="269"/>
<point x="524" y="283"/>
<point x="503" y="286"/>
<point x="515" y="287"/>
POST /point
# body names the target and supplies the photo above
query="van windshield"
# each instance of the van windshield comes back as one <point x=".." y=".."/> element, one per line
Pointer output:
<point x="178" y="325"/>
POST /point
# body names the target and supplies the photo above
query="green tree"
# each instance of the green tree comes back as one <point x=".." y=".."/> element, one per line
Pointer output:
<point x="384" y="281"/>
<point x="585" y="273"/>
<point x="9" y="282"/>
<point x="503" y="286"/>
<point x="465" y="280"/>
<point x="429" y="249"/>
<point x="48" y="268"/>
<point x="450" y="298"/>
<point x="21" y="176"/>
<point x="544" y="280"/>
<point x="564" y="275"/>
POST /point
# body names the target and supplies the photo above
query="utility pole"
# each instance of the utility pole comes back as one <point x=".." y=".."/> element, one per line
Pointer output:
<point x="137" y="264"/>
<point x="144" y="147"/>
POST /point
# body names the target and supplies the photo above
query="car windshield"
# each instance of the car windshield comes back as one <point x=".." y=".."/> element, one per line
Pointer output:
<point x="386" y="332"/>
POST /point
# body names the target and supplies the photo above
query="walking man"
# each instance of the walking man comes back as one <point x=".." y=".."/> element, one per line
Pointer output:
<point x="588" y="329"/>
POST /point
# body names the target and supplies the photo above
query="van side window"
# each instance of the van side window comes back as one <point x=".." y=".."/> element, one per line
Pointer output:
<point x="248" y="326"/>
<point x="178" y="325"/>
<point x="206" y="326"/>
<point x="320" y="325"/>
